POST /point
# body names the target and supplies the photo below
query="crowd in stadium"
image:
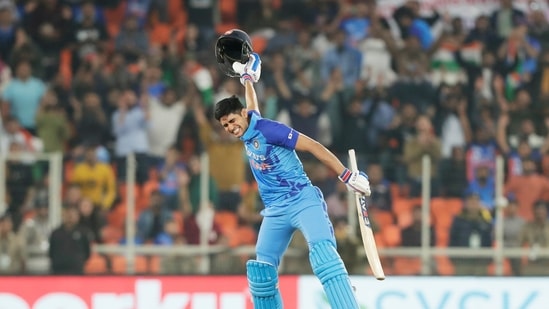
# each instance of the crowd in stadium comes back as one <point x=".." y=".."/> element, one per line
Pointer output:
<point x="98" y="80"/>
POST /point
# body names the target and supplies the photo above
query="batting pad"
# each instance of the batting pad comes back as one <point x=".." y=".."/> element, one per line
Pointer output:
<point x="263" y="283"/>
<point x="330" y="270"/>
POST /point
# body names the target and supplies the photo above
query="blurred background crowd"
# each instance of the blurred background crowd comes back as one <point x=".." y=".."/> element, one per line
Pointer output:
<point x="98" y="80"/>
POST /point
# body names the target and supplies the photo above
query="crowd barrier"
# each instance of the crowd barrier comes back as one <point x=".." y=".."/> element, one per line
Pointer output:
<point x="299" y="292"/>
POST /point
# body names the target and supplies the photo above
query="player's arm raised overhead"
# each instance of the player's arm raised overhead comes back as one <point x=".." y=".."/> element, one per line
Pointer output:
<point x="356" y="180"/>
<point x="250" y="72"/>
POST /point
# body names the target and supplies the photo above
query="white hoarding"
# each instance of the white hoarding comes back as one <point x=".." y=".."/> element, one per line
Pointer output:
<point x="435" y="293"/>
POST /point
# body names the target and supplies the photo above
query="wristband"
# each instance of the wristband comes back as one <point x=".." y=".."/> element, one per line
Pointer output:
<point x="345" y="175"/>
<point x="246" y="77"/>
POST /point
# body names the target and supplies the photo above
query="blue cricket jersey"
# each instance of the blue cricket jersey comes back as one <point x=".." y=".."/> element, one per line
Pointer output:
<point x="270" y="147"/>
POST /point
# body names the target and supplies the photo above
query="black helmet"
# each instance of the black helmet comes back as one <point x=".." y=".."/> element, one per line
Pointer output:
<point x="234" y="45"/>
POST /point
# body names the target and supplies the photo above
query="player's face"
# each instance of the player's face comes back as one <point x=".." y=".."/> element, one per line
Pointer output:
<point x="235" y="124"/>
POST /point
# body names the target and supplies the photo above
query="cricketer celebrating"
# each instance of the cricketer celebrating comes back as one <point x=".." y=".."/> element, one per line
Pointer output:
<point x="291" y="201"/>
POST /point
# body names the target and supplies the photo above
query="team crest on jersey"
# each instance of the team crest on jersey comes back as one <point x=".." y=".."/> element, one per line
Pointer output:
<point x="255" y="143"/>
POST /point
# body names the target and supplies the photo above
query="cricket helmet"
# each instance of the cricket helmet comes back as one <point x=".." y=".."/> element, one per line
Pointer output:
<point x="233" y="46"/>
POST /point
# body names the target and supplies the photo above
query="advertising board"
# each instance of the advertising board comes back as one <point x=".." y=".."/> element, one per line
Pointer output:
<point x="192" y="292"/>
<point x="436" y="293"/>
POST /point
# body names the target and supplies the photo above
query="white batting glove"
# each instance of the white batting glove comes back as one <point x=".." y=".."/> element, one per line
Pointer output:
<point x="251" y="70"/>
<point x="356" y="181"/>
<point x="253" y="67"/>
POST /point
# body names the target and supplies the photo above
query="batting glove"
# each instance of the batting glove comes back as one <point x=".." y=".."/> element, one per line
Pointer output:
<point x="251" y="70"/>
<point x="356" y="181"/>
<point x="253" y="67"/>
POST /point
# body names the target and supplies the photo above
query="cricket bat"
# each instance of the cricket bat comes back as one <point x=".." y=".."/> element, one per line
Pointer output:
<point x="365" y="228"/>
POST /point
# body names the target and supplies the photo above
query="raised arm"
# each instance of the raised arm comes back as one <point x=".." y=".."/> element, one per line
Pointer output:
<point x="250" y="72"/>
<point x="251" y="96"/>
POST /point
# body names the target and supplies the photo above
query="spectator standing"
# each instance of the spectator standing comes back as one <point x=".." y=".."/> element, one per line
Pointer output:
<point x="424" y="143"/>
<point x="35" y="233"/>
<point x="166" y="114"/>
<point x="91" y="122"/>
<point x="12" y="250"/>
<point x="70" y="245"/>
<point x="89" y="35"/>
<point x="132" y="42"/>
<point x="505" y="18"/>
<point x="8" y="30"/>
<point x="23" y="95"/>
<point x="513" y="225"/>
<point x="49" y="24"/>
<point x="472" y="228"/>
<point x="348" y="59"/>
<point x="535" y="235"/>
<point x="91" y="218"/>
<point x="228" y="178"/>
<point x="168" y="177"/>
<point x="52" y="126"/>
<point x="380" y="198"/>
<point x="529" y="188"/>
<point x="96" y="180"/>
<point x="452" y="175"/>
<point x="130" y="123"/>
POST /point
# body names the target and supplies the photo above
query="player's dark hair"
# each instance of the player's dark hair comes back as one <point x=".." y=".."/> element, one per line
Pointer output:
<point x="227" y="106"/>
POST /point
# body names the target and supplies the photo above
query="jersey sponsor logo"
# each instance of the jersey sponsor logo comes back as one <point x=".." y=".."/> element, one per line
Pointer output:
<point x="291" y="134"/>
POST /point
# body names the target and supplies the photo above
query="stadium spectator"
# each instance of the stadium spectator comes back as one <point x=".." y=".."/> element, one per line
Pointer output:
<point x="89" y="34"/>
<point x="35" y="232"/>
<point x="411" y="235"/>
<point x="425" y="142"/>
<point x="72" y="195"/>
<point x="49" y="24"/>
<point x="529" y="188"/>
<point x="347" y="244"/>
<point x="512" y="228"/>
<point x="70" y="245"/>
<point x="228" y="177"/>
<point x="346" y="58"/>
<point x="381" y="198"/>
<point x="451" y="174"/>
<point x="535" y="235"/>
<point x="91" y="218"/>
<point x="152" y="220"/>
<point x="166" y="114"/>
<point x="169" y="174"/>
<point x="472" y="228"/>
<point x="14" y="135"/>
<point x="131" y="42"/>
<point x="484" y="187"/>
<point x="129" y="126"/>
<point x="23" y="94"/>
<point x="12" y="250"/>
<point x="95" y="179"/>
<point x="193" y="206"/>
<point x="52" y="126"/>
<point x="505" y="18"/>
<point x="10" y="28"/>
<point x="90" y="120"/>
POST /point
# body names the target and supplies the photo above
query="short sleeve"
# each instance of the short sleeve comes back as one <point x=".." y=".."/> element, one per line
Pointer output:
<point x="277" y="133"/>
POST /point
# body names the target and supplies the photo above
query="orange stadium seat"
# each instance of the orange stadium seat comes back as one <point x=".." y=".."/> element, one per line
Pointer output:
<point x="444" y="266"/>
<point x="405" y="204"/>
<point x="391" y="235"/>
<point x="404" y="218"/>
<point x="226" y="220"/>
<point x="96" y="264"/>
<point x="155" y="264"/>
<point x="111" y="234"/>
<point x="119" y="264"/>
<point x="406" y="266"/>
<point x="382" y="218"/>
